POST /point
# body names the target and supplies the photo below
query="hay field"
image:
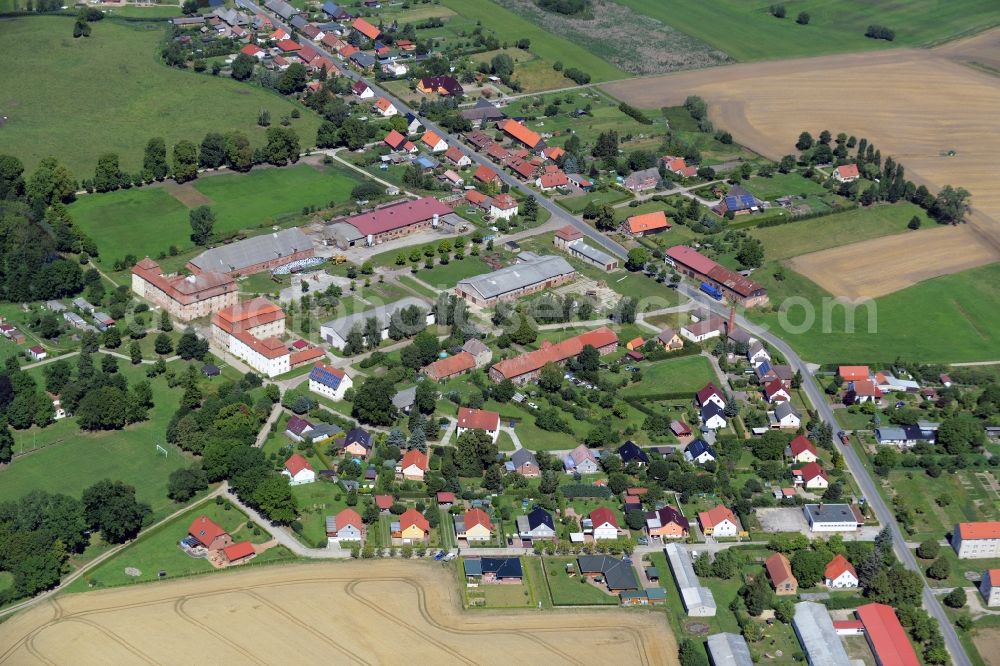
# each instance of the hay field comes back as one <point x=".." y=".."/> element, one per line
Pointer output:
<point x="386" y="612"/>
<point x="914" y="105"/>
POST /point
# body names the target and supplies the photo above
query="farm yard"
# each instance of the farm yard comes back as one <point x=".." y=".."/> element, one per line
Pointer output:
<point x="115" y="87"/>
<point x="377" y="609"/>
<point x="895" y="99"/>
<point x="747" y="30"/>
<point x="120" y="222"/>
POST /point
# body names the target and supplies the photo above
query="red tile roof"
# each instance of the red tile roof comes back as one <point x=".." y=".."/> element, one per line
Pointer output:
<point x="348" y="517"/>
<point x="394" y="140"/>
<point x="383" y="104"/>
<point x="774" y="387"/>
<point x="802" y="443"/>
<point x="504" y="201"/>
<point x="413" y="517"/>
<point x="779" y="569"/>
<point x="568" y="233"/>
<point x="994" y="575"/>
<point x="398" y="215"/>
<point x="554" y="179"/>
<point x="297" y="358"/>
<point x="553" y="152"/>
<point x="691" y="258"/>
<point x="248" y="314"/>
<point x="810" y="471"/>
<point x="523" y="169"/>
<point x="430" y="139"/>
<point x="185" y="289"/>
<point x="445" y="497"/>
<point x="638" y="224"/>
<point x="384" y="501"/>
<point x="713" y="517"/>
<point x="497" y="152"/>
<point x="347" y="50"/>
<point x="238" y="551"/>
<point x="517" y="131"/>
<point x="296" y="464"/>
<point x="414" y="457"/>
<point x="707" y="392"/>
<point x="485" y="174"/>
<point x="886" y="636"/>
<point x="366" y="28"/>
<point x="205" y="530"/>
<point x="848" y="171"/>
<point x="475" y="197"/>
<point x="289" y="45"/>
<point x="450" y="366"/>
<point x="837" y="566"/>
<point x="852" y="373"/>
<point x="251" y="49"/>
<point x="867" y="388"/>
<point x="557" y="353"/>
<point x="454" y="154"/>
<point x="603" y="515"/>
<point x="477" y="418"/>
<point x="984" y="529"/>
<point x="477" y="517"/>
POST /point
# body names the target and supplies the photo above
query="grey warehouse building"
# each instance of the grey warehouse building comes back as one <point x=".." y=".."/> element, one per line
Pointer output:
<point x="335" y="331"/>
<point x="532" y="273"/>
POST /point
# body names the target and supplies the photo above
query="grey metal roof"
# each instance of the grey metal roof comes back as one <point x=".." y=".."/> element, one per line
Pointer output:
<point x="522" y="456"/>
<point x="239" y="255"/>
<point x="405" y="398"/>
<point x="618" y="574"/>
<point x="819" y="639"/>
<point x="298" y="22"/>
<point x="382" y="314"/>
<point x="830" y="513"/>
<point x="281" y="8"/>
<point x="694" y="595"/>
<point x="729" y="650"/>
<point x="363" y="59"/>
<point x="344" y="230"/>
<point x="783" y="409"/>
<point x="518" y="276"/>
<point x="591" y="252"/>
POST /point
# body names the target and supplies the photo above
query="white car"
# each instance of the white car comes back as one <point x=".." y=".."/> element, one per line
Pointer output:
<point x="532" y="405"/>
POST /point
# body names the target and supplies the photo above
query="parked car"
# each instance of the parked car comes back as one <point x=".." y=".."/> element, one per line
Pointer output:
<point x="439" y="555"/>
<point x="844" y="438"/>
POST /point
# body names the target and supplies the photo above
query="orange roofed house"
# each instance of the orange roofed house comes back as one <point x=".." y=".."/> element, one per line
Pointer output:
<point x="184" y="297"/>
<point x="719" y="522"/>
<point x="478" y="419"/>
<point x="520" y="133"/>
<point x="450" y="366"/>
<point x="208" y="534"/>
<point x="526" y="367"/>
<point x="646" y="224"/>
<point x="366" y="28"/>
<point x="413" y="466"/>
<point x="779" y="570"/>
<point x="411" y="528"/>
<point x="976" y="540"/>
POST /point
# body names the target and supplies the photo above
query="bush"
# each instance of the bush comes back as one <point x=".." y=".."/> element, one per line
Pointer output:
<point x="778" y="11"/>
<point x="803" y="18"/>
<point x="880" y="32"/>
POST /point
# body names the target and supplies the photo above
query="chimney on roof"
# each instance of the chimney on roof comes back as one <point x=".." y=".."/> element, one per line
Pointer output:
<point x="820" y="510"/>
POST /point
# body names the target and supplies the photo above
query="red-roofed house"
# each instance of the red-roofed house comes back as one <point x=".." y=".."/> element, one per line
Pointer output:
<point x="719" y="522"/>
<point x="854" y="373"/>
<point x="604" y="523"/>
<point x="976" y="540"/>
<point x="989" y="587"/>
<point x="525" y="170"/>
<point x="254" y="51"/>
<point x="434" y="142"/>
<point x="289" y="46"/>
<point x="445" y="499"/>
<point x="846" y="173"/>
<point x="886" y="636"/>
<point x="474" y="525"/>
<point x="812" y="476"/>
<point x="384" y="502"/>
<point x="184" y="297"/>
<point x="362" y="90"/>
<point x="734" y="286"/>
<point x="520" y="133"/>
<point x="208" y="534"/>
<point x="646" y="224"/>
<point x="526" y="367"/>
<point x="775" y="391"/>
<point x="450" y="366"/>
<point x="347" y="50"/>
<point x="298" y="470"/>
<point x="413" y="527"/>
<point x="394" y="140"/>
<point x="386" y="108"/>
<point x="709" y="393"/>
<point x="345" y="526"/>
<point x="503" y="207"/>
<point x="802" y="450"/>
<point x="678" y="167"/>
<point x="478" y="419"/>
<point x="553" y="153"/>
<point x="779" y="570"/>
<point x="840" y="573"/>
<point x="863" y="390"/>
<point x="498" y="153"/>
<point x="484" y="174"/>
<point x="37" y="353"/>
<point x="455" y="155"/>
<point x="413" y="466"/>
<point x="366" y="28"/>
<point x="551" y="180"/>
<point x="238" y="553"/>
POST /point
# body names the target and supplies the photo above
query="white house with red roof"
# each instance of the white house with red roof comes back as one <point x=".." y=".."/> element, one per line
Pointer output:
<point x="503" y="207"/>
<point x="386" y="108"/>
<point x="413" y="466"/>
<point x="254" y="51"/>
<point x="776" y="391"/>
<point x="811" y="476"/>
<point x="478" y="419"/>
<point x="989" y="587"/>
<point x="710" y="394"/>
<point x="604" y="523"/>
<point x="840" y="574"/>
<point x="719" y="522"/>
<point x="455" y="155"/>
<point x="37" y="353"/>
<point x="298" y="470"/>
<point x="361" y="90"/>
<point x="864" y="390"/>
<point x="208" y="534"/>
<point x="802" y="451"/>
<point x="974" y="540"/>
<point x="846" y="173"/>
<point x="433" y="142"/>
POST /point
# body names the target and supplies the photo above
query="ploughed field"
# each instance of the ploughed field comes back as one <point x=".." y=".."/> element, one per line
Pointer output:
<point x="917" y="106"/>
<point x="388" y="612"/>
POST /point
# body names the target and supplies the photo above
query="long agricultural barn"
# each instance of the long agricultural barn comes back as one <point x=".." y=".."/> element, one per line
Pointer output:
<point x="253" y="255"/>
<point x="389" y="222"/>
<point x="734" y="286"/>
<point x="335" y="331"/>
<point x="527" y="367"/>
<point x="532" y="273"/>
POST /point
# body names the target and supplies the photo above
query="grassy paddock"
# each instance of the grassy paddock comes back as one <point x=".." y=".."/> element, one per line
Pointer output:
<point x="689" y="373"/>
<point x="113" y="85"/>
<point x="747" y="31"/>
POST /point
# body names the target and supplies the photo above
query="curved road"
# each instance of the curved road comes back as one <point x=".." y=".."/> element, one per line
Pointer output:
<point x="865" y="482"/>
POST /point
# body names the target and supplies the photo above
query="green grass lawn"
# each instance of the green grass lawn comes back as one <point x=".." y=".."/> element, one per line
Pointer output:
<point x="906" y="323"/>
<point x="782" y="184"/>
<point x="498" y="596"/>
<point x="149" y="220"/>
<point x="511" y="27"/>
<point x="964" y="493"/>
<point x="415" y="286"/>
<point x="158" y="551"/>
<point x="570" y="591"/>
<point x="578" y="203"/>
<point x="796" y="238"/>
<point x="448" y="275"/>
<point x="68" y="460"/>
<point x="113" y="85"/>
<point x="746" y="30"/>
<point x="317" y="501"/>
<point x="688" y="373"/>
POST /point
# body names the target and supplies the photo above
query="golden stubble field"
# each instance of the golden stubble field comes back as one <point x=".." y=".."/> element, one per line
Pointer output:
<point x="387" y="612"/>
<point x="913" y="104"/>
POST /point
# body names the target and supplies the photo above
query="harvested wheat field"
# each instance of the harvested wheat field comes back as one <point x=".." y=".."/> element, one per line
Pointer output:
<point x="915" y="105"/>
<point x="386" y="612"/>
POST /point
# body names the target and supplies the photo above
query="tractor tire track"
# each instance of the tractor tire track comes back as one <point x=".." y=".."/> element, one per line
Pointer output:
<point x="113" y="637"/>
<point x="184" y="615"/>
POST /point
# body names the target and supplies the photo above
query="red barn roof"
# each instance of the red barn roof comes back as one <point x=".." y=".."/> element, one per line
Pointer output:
<point x="397" y="216"/>
<point x="477" y="419"/>
<point x="238" y="551"/>
<point x="205" y="530"/>
<point x="602" y="515"/>
<point x="886" y="636"/>
<point x="557" y="353"/>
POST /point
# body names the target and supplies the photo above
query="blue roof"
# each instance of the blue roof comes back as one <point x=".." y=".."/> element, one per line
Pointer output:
<point x="503" y="567"/>
<point x="332" y="9"/>
<point x="540" y="516"/>
<point x="359" y="435"/>
<point x="711" y="409"/>
<point x="699" y="446"/>
<point x="426" y="162"/>
<point x="739" y="199"/>
<point x="325" y="377"/>
<point x="630" y="451"/>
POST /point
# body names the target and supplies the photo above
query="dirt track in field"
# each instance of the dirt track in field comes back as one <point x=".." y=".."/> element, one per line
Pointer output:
<point x="353" y="612"/>
<point x="913" y="104"/>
